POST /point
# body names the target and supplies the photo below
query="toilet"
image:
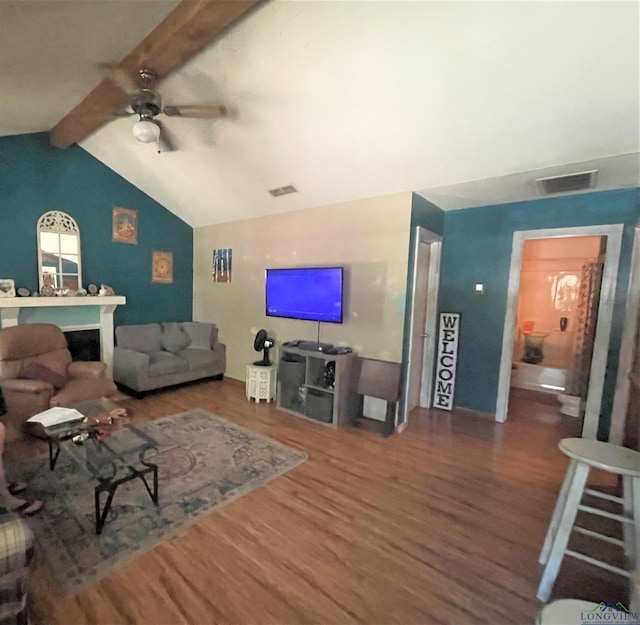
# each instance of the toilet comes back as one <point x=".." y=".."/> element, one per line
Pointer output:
<point x="570" y="405"/>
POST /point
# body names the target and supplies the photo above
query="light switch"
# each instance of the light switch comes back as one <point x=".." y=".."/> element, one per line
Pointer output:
<point x="479" y="289"/>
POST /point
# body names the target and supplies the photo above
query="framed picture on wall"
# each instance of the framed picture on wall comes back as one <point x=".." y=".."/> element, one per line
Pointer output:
<point x="125" y="225"/>
<point x="7" y="288"/>
<point x="162" y="267"/>
<point x="222" y="265"/>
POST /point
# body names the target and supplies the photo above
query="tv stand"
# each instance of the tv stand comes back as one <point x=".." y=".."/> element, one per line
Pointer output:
<point x="305" y="391"/>
<point x="314" y="346"/>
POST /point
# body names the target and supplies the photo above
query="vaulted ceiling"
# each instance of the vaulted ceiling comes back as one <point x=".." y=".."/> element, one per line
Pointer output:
<point x="463" y="102"/>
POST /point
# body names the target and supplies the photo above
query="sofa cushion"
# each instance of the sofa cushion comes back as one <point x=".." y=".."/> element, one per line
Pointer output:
<point x="202" y="335"/>
<point x="37" y="371"/>
<point x="173" y="338"/>
<point x="198" y="358"/>
<point x="165" y="363"/>
<point x="145" y="338"/>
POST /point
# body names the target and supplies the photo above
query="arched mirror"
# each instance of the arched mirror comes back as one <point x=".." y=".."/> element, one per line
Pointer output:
<point x="59" y="265"/>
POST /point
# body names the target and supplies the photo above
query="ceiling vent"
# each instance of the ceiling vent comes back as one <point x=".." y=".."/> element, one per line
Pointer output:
<point x="565" y="184"/>
<point x="283" y="190"/>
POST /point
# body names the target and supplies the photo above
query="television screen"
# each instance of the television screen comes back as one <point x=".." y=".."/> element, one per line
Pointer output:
<point x="311" y="293"/>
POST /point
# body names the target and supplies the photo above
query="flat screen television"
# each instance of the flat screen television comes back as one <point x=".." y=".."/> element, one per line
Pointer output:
<point x="311" y="293"/>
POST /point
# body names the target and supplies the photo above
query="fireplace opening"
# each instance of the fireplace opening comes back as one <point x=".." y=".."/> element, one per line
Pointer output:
<point x="84" y="345"/>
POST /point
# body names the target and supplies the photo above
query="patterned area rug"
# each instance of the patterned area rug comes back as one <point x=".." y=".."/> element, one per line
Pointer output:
<point x="204" y="463"/>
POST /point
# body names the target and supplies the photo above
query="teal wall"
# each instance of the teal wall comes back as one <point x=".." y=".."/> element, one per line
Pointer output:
<point x="477" y="249"/>
<point x="426" y="214"/>
<point x="36" y="177"/>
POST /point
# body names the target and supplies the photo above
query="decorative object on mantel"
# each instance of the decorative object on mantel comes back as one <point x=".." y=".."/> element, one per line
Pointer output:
<point x="162" y="267"/>
<point x="23" y="292"/>
<point x="59" y="262"/>
<point x="47" y="290"/>
<point x="62" y="291"/>
<point x="105" y="289"/>
<point x="7" y="288"/>
<point x="81" y="292"/>
<point x="125" y="225"/>
<point x="92" y="289"/>
<point x="222" y="265"/>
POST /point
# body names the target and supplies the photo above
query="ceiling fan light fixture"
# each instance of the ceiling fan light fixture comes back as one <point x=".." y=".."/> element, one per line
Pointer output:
<point x="146" y="130"/>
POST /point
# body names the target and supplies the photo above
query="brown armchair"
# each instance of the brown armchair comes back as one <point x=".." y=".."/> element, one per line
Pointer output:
<point x="36" y="371"/>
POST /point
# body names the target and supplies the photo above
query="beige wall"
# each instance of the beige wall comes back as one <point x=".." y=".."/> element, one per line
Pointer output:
<point x="370" y="238"/>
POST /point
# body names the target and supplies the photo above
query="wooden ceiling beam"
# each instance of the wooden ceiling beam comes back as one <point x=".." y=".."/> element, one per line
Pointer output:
<point x="187" y="30"/>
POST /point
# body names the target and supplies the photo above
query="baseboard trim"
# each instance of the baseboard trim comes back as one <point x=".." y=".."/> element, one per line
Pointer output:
<point x="477" y="414"/>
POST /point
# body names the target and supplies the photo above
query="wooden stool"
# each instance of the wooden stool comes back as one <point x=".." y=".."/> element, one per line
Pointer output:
<point x="565" y="611"/>
<point x="584" y="454"/>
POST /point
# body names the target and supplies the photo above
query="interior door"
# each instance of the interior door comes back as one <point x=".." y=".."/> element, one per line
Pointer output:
<point x="419" y="327"/>
<point x="417" y="382"/>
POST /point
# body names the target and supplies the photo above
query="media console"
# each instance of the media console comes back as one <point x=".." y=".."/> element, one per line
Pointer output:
<point x="315" y="346"/>
<point x="310" y="386"/>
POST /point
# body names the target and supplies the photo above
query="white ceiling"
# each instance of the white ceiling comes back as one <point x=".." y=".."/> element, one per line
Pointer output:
<point x="464" y="102"/>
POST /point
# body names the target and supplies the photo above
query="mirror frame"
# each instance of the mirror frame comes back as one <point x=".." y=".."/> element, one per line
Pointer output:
<point x="59" y="223"/>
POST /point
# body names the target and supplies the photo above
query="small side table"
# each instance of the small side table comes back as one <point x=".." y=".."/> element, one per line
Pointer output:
<point x="261" y="382"/>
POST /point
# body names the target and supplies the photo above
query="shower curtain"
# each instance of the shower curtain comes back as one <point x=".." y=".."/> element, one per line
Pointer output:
<point x="586" y="320"/>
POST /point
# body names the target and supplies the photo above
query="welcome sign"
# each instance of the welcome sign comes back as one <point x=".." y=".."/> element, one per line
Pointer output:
<point x="447" y="360"/>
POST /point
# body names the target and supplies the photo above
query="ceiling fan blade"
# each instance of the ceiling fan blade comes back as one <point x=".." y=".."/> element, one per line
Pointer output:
<point x="187" y="30"/>
<point x="199" y="111"/>
<point x="166" y="142"/>
<point x="120" y="77"/>
<point x="123" y="79"/>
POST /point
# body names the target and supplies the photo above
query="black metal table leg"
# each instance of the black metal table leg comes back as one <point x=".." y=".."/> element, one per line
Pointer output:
<point x="110" y="487"/>
<point x="53" y="458"/>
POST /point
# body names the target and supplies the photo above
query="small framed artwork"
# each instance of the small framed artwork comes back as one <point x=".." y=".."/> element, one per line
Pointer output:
<point x="162" y="267"/>
<point x="222" y="265"/>
<point x="7" y="288"/>
<point x="125" y="225"/>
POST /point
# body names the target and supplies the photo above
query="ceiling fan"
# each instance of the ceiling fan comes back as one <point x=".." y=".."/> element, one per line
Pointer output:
<point x="146" y="103"/>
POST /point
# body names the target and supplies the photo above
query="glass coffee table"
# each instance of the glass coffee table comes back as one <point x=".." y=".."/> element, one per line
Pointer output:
<point x="108" y="448"/>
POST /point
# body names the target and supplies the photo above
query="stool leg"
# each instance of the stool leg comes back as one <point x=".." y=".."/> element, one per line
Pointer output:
<point x="631" y="494"/>
<point x="567" y="519"/>
<point x="627" y="528"/>
<point x="557" y="511"/>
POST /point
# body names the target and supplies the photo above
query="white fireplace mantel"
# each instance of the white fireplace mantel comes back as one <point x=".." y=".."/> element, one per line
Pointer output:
<point x="69" y="313"/>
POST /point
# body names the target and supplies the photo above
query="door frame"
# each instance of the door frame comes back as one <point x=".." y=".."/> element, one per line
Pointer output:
<point x="424" y="236"/>
<point x="627" y="345"/>
<point x="613" y="232"/>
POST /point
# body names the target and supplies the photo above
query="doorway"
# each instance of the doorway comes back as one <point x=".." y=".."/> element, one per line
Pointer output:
<point x="612" y="235"/>
<point x="560" y="280"/>
<point x="422" y="325"/>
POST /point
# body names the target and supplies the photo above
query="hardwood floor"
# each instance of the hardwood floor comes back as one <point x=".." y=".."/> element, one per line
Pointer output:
<point x="441" y="524"/>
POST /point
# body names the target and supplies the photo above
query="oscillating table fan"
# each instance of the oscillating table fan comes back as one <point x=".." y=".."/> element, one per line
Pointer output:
<point x="262" y="341"/>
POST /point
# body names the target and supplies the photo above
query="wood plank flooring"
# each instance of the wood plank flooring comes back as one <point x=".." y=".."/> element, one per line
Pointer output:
<point x="441" y="524"/>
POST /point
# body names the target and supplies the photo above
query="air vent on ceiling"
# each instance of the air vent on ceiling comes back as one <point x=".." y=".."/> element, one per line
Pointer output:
<point x="283" y="190"/>
<point x="567" y="183"/>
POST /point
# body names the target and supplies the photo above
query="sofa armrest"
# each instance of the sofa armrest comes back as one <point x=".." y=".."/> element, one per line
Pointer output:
<point x="20" y="385"/>
<point x="87" y="370"/>
<point x="16" y="556"/>
<point x="127" y="363"/>
<point x="16" y="543"/>
<point x="219" y="348"/>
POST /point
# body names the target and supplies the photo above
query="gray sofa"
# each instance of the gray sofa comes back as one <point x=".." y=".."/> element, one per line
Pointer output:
<point x="153" y="355"/>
